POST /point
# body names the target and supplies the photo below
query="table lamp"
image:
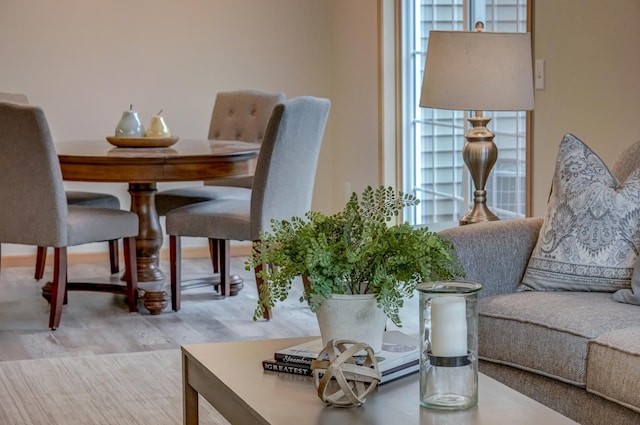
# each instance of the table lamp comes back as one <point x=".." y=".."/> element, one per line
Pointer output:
<point x="478" y="71"/>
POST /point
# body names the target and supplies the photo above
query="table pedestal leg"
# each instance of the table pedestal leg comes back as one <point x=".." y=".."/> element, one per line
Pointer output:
<point x="148" y="243"/>
<point x="149" y="239"/>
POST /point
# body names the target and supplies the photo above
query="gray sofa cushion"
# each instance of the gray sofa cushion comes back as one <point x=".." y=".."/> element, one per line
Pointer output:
<point x="613" y="368"/>
<point x="549" y="332"/>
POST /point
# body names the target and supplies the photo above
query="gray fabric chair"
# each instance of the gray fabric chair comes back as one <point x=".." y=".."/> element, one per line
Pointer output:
<point x="237" y="115"/>
<point x="282" y="188"/>
<point x="35" y="209"/>
<point x="90" y="199"/>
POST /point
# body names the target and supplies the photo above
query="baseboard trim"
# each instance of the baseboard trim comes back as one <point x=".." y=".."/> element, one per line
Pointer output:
<point x="99" y="257"/>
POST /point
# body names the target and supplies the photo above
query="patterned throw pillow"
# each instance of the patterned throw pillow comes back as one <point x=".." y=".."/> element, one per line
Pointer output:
<point x="590" y="238"/>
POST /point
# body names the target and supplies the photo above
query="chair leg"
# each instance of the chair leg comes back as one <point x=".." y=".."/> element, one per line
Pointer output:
<point x="224" y="255"/>
<point x="259" y="282"/>
<point x="174" y="264"/>
<point x="214" y="253"/>
<point x="132" y="275"/>
<point x="41" y="258"/>
<point x="59" y="286"/>
<point x="114" y="259"/>
<point x="307" y="286"/>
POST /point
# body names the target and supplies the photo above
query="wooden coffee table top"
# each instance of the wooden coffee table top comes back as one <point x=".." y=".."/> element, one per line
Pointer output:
<point x="231" y="378"/>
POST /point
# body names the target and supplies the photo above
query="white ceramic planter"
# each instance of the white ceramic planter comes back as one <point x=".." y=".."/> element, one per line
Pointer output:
<point x="352" y="317"/>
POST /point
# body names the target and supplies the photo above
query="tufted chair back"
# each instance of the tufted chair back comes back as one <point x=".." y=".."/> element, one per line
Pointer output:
<point x="14" y="98"/>
<point x="627" y="162"/>
<point x="241" y="115"/>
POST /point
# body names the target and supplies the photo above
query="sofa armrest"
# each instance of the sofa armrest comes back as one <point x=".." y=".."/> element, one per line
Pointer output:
<point x="495" y="254"/>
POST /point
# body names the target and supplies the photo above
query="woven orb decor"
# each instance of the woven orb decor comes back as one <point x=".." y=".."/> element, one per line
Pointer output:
<point x="339" y="380"/>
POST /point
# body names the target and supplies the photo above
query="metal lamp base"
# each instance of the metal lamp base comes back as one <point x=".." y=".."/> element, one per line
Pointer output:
<point x="480" y="154"/>
<point x="478" y="213"/>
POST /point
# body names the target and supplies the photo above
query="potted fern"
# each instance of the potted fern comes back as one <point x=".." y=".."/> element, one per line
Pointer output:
<point x="354" y="252"/>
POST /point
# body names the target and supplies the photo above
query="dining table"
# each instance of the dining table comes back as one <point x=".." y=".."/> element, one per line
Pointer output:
<point x="142" y="168"/>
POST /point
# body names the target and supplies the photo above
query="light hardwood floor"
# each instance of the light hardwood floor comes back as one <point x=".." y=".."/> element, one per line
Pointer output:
<point x="95" y="323"/>
<point x="98" y="323"/>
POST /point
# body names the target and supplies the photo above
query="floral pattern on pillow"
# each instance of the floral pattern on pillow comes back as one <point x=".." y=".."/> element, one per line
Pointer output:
<point x="590" y="238"/>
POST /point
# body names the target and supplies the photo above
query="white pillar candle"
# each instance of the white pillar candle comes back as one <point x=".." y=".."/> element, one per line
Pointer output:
<point x="448" y="326"/>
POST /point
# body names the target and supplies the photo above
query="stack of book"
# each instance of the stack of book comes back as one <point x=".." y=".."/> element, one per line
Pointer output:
<point x="399" y="357"/>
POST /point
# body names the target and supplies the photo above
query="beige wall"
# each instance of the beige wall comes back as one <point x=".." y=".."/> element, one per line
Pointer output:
<point x="592" y="81"/>
<point x="86" y="61"/>
<point x="355" y="93"/>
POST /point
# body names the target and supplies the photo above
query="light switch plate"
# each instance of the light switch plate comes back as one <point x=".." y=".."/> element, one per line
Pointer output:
<point x="539" y="74"/>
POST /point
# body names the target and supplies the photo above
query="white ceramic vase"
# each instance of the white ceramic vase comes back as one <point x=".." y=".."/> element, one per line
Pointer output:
<point x="352" y="317"/>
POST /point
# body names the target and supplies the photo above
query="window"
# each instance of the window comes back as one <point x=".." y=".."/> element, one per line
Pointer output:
<point x="432" y="164"/>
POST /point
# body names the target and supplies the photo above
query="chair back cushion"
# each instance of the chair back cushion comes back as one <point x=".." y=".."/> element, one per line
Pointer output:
<point x="627" y="163"/>
<point x="286" y="169"/>
<point x="34" y="206"/>
<point x="14" y="98"/>
<point x="241" y="115"/>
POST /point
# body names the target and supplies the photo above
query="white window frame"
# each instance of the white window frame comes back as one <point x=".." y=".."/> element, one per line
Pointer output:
<point x="509" y="181"/>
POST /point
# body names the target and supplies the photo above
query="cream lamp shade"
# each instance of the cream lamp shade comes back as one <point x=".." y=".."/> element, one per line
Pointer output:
<point x="468" y="71"/>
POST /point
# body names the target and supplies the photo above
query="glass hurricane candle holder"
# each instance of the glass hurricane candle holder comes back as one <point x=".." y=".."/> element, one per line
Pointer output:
<point x="449" y="344"/>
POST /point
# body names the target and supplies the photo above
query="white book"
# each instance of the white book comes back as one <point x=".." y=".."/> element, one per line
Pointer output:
<point x="399" y="351"/>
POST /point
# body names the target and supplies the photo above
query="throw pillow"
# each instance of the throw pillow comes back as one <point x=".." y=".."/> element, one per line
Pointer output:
<point x="590" y="237"/>
<point x="631" y="295"/>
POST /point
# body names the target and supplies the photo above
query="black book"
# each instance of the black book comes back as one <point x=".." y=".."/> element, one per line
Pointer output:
<point x="295" y="369"/>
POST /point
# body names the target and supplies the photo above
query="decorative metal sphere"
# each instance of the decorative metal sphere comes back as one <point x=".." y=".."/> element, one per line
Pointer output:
<point x="341" y="381"/>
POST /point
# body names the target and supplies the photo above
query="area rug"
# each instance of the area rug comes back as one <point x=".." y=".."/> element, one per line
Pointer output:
<point x="111" y="389"/>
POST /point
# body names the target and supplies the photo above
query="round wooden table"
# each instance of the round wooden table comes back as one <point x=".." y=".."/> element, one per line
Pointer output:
<point x="142" y="168"/>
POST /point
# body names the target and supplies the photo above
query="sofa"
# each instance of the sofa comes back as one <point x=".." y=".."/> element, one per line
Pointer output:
<point x="577" y="352"/>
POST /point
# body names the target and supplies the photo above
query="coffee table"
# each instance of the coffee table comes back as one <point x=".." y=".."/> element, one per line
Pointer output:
<point x="230" y="377"/>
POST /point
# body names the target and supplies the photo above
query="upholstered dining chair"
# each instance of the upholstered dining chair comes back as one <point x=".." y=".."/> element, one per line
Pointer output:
<point x="35" y="210"/>
<point x="237" y="115"/>
<point x="282" y="187"/>
<point x="90" y="199"/>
